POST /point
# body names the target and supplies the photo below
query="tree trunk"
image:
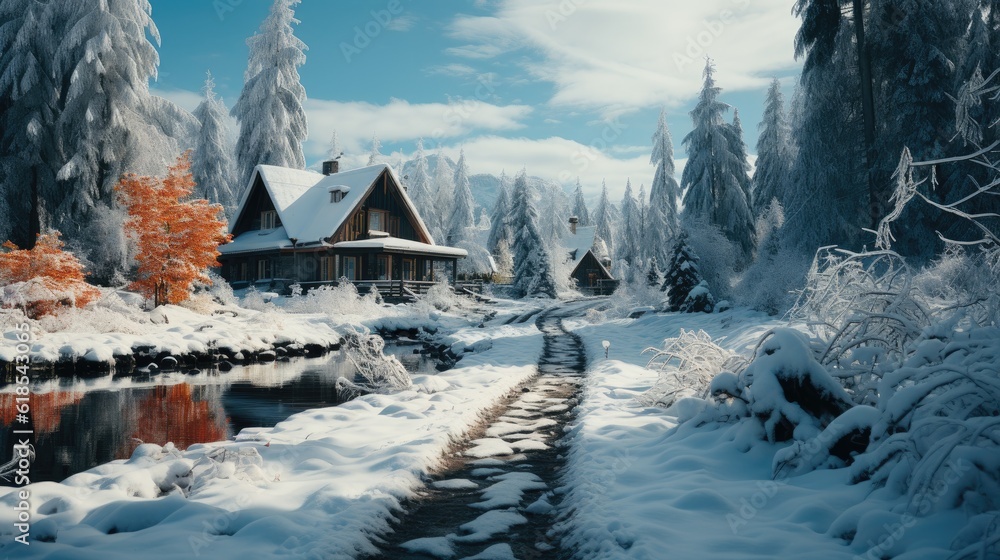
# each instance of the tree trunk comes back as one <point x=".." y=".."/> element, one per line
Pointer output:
<point x="868" y="112"/>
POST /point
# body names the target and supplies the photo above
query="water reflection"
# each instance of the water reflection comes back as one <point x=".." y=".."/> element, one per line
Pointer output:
<point x="80" y="424"/>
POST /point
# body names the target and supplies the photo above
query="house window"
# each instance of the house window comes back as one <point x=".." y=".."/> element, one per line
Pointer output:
<point x="384" y="263"/>
<point x="376" y="220"/>
<point x="351" y="268"/>
<point x="244" y="271"/>
<point x="336" y="196"/>
<point x="263" y="269"/>
<point x="409" y="267"/>
<point x="268" y="219"/>
<point x="326" y="269"/>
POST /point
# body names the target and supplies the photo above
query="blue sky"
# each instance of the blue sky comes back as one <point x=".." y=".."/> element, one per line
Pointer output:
<point x="564" y="88"/>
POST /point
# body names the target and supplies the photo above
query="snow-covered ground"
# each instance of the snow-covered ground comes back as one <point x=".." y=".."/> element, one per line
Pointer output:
<point x="640" y="487"/>
<point x="318" y="485"/>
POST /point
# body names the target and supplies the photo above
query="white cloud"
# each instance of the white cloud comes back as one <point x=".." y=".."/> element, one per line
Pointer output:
<point x="187" y="100"/>
<point x="621" y="55"/>
<point x="402" y="121"/>
<point x="453" y="69"/>
<point x="404" y="22"/>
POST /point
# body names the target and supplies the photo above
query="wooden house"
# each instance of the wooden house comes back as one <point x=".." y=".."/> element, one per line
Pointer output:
<point x="293" y="226"/>
<point x="590" y="273"/>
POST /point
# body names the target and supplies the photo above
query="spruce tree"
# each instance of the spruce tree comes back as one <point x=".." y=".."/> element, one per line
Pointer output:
<point x="602" y="221"/>
<point x="419" y="184"/>
<point x="444" y="197"/>
<point x="533" y="275"/>
<point x="500" y="216"/>
<point x="687" y="291"/>
<point x="334" y="151"/>
<point x="773" y="153"/>
<point x="739" y="149"/>
<point x="654" y="278"/>
<point x="580" y="205"/>
<point x="212" y="163"/>
<point x="661" y="219"/>
<point x="463" y="210"/>
<point x="629" y="231"/>
<point x="375" y="153"/>
<point x="269" y="109"/>
<point x="713" y="179"/>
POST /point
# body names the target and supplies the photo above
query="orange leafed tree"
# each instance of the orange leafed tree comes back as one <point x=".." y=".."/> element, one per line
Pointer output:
<point x="47" y="276"/>
<point x="178" y="236"/>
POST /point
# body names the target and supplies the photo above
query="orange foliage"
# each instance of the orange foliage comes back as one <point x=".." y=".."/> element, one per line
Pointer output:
<point x="52" y="278"/>
<point x="46" y="409"/>
<point x="178" y="237"/>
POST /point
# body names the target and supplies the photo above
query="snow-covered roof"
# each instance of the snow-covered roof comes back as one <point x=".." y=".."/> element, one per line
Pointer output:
<point x="302" y="199"/>
<point x="257" y="240"/>
<point x="404" y="245"/>
<point x="579" y="244"/>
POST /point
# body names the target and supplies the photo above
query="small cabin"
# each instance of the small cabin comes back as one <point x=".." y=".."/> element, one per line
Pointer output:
<point x="590" y="273"/>
<point x="301" y="227"/>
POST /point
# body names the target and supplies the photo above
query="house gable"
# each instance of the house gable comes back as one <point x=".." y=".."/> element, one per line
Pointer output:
<point x="257" y="202"/>
<point x="397" y="217"/>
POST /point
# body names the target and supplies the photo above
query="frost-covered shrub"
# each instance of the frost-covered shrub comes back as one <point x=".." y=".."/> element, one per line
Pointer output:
<point x="940" y="421"/>
<point x="788" y="391"/>
<point x="865" y="307"/>
<point x="777" y="271"/>
<point x="687" y="365"/>
<point x="963" y="279"/>
<point x="441" y="297"/>
<point x="109" y="313"/>
<point x="716" y="254"/>
<point x="375" y="372"/>
<point x="342" y="299"/>
<point x="257" y="301"/>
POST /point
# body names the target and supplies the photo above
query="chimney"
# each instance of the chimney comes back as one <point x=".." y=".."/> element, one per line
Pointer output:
<point x="331" y="166"/>
<point x="572" y="224"/>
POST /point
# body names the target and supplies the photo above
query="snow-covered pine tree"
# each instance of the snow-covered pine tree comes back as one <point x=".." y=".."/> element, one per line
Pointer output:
<point x="628" y="233"/>
<point x="500" y="216"/>
<point x="714" y="175"/>
<point x="212" y="162"/>
<point x="463" y="209"/>
<point x="444" y="197"/>
<point x="104" y="63"/>
<point x="335" y="150"/>
<point x="580" y="205"/>
<point x="654" y="278"/>
<point x="375" y="153"/>
<point x="532" y="263"/>
<point x="269" y="109"/>
<point x="418" y="186"/>
<point x="602" y="221"/>
<point x="773" y="153"/>
<point x="687" y="291"/>
<point x="28" y="112"/>
<point x="916" y="46"/>
<point x="660" y="220"/>
<point x="739" y="148"/>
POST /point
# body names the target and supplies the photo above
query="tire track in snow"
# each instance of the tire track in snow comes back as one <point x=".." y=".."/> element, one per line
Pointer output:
<point x="495" y="497"/>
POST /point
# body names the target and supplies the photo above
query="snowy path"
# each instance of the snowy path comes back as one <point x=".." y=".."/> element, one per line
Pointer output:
<point x="494" y="498"/>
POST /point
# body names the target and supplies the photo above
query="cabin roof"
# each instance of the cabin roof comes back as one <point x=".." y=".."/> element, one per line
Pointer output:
<point x="302" y="199"/>
<point x="401" y="245"/>
<point x="579" y="244"/>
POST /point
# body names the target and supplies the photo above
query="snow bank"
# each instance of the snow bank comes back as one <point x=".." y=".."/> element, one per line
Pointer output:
<point x="318" y="485"/>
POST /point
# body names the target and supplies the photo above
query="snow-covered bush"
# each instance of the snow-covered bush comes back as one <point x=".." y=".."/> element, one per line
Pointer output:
<point x="257" y="301"/>
<point x="441" y="297"/>
<point x="376" y="372"/>
<point x="342" y="299"/>
<point x="687" y="364"/>
<point x="777" y="272"/>
<point x="687" y="290"/>
<point x="716" y="254"/>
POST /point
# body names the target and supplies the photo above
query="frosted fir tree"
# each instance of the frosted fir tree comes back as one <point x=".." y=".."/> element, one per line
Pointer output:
<point x="335" y="150"/>
<point x="211" y="163"/>
<point x="29" y="153"/>
<point x="375" y="153"/>
<point x="773" y="153"/>
<point x="654" y="278"/>
<point x="687" y="291"/>
<point x="739" y="149"/>
<point x="533" y="271"/>
<point x="444" y="196"/>
<point x="629" y="231"/>
<point x="664" y="193"/>
<point x="105" y="62"/>
<point x="602" y="221"/>
<point x="580" y="205"/>
<point x="269" y="109"/>
<point x="418" y="185"/>
<point x="463" y="209"/>
<point x="713" y="179"/>
<point x="500" y="217"/>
